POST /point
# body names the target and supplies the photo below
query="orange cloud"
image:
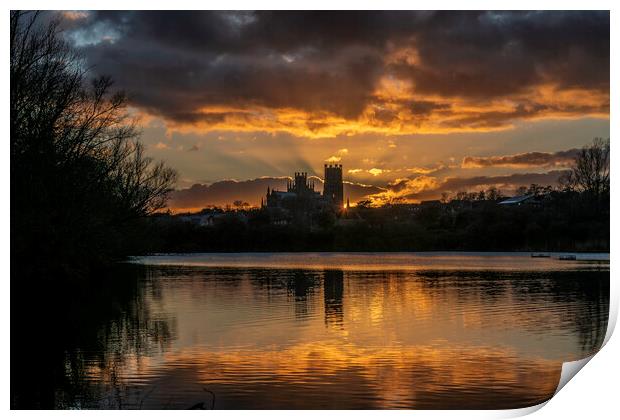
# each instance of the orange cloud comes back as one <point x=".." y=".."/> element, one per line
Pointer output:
<point x="393" y="112"/>
<point x="73" y="15"/>
<point x="377" y="171"/>
<point x="423" y="187"/>
<point x="338" y="156"/>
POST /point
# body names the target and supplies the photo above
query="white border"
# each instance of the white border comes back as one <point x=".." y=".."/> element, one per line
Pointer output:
<point x="592" y="395"/>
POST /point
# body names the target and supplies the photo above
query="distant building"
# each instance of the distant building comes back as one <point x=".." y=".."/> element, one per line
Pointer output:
<point x="300" y="201"/>
<point x="198" y="219"/>
<point x="517" y="201"/>
<point x="430" y="203"/>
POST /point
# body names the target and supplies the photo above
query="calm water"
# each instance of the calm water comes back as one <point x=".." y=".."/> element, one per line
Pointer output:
<point x="332" y="331"/>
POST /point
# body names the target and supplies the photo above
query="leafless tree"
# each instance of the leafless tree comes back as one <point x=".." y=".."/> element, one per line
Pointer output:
<point x="590" y="172"/>
<point x="493" y="194"/>
<point x="57" y="116"/>
<point x="81" y="183"/>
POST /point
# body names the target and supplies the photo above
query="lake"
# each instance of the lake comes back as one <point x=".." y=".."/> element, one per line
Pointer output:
<point x="321" y="331"/>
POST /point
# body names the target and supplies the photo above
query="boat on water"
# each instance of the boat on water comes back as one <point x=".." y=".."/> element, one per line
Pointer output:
<point x="540" y="255"/>
<point x="568" y="257"/>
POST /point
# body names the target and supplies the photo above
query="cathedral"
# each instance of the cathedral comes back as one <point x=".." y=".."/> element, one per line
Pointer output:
<point x="300" y="201"/>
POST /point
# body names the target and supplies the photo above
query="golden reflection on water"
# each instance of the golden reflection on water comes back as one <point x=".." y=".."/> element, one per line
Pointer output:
<point x="338" y="339"/>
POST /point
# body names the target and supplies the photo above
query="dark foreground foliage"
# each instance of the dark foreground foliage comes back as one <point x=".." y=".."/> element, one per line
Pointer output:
<point x="80" y="183"/>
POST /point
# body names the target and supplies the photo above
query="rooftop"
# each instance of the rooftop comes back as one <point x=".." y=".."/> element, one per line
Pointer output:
<point x="516" y="200"/>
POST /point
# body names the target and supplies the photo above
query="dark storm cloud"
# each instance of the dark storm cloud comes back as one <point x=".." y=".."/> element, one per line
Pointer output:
<point x="491" y="119"/>
<point x="529" y="159"/>
<point x="492" y="54"/>
<point x="425" y="107"/>
<point x="176" y="63"/>
<point x="467" y="184"/>
<point x="226" y="192"/>
<point x="241" y="31"/>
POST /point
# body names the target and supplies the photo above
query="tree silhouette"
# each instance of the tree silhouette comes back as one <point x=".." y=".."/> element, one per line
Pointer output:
<point x="590" y="173"/>
<point x="79" y="176"/>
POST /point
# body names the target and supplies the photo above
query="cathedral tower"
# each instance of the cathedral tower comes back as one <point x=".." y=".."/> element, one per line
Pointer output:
<point x="333" y="189"/>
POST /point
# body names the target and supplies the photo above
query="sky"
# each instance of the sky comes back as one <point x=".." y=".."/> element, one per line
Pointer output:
<point x="412" y="104"/>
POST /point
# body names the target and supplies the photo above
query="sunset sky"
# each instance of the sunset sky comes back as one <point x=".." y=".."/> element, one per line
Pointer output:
<point x="410" y="103"/>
